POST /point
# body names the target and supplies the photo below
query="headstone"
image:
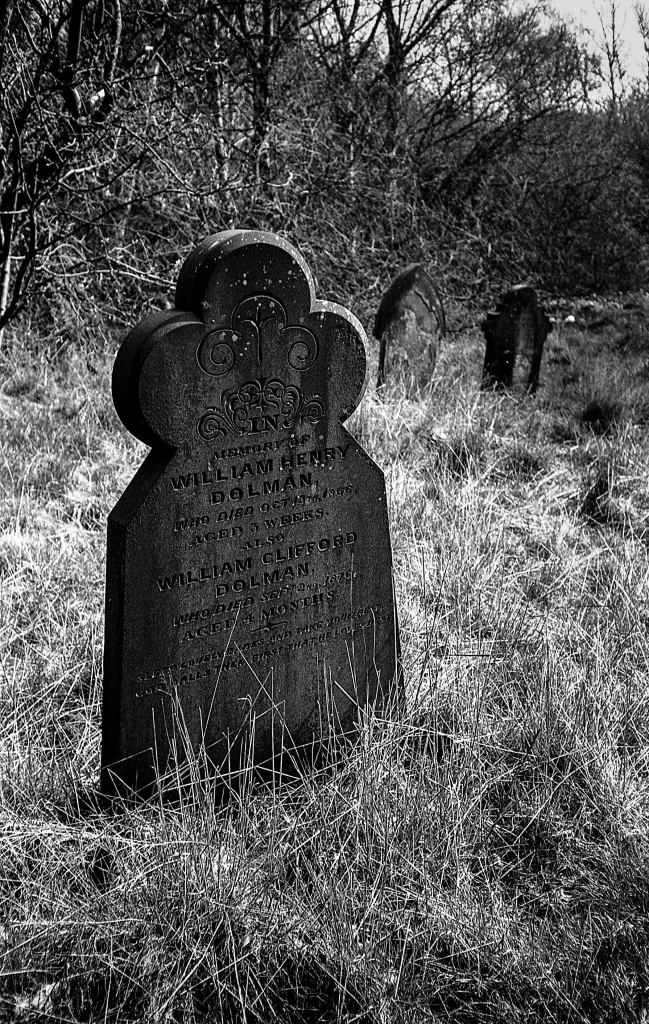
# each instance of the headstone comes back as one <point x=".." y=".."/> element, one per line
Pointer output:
<point x="515" y="335"/>
<point x="249" y="596"/>
<point x="409" y="323"/>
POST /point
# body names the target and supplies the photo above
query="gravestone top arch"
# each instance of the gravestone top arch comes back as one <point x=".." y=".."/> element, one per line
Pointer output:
<point x="229" y="298"/>
<point x="249" y="598"/>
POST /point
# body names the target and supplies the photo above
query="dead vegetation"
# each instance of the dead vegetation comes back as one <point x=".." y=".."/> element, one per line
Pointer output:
<point x="481" y="856"/>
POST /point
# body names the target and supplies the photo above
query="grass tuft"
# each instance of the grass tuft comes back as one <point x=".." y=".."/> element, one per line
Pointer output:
<point x="598" y="504"/>
<point x="604" y="415"/>
<point x="463" y="454"/>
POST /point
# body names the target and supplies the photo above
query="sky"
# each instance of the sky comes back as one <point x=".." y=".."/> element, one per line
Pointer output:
<point x="584" y="13"/>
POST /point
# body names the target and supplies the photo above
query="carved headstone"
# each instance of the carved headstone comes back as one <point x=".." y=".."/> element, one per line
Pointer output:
<point x="409" y="323"/>
<point x="249" y="599"/>
<point x="515" y="335"/>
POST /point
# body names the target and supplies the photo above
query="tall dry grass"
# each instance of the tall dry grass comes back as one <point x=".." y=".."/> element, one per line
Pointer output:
<point x="480" y="856"/>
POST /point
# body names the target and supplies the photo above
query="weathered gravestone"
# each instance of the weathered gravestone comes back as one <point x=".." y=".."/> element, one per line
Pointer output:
<point x="249" y="598"/>
<point x="409" y="323"/>
<point x="515" y="335"/>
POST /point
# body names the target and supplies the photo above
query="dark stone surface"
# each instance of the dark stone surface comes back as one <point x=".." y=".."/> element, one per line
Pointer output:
<point x="515" y="335"/>
<point x="249" y="597"/>
<point x="409" y="323"/>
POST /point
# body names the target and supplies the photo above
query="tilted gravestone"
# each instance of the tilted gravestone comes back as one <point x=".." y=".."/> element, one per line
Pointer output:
<point x="249" y="596"/>
<point x="409" y="323"/>
<point x="515" y="335"/>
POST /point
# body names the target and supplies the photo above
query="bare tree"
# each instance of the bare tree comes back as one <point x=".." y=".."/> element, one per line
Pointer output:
<point x="611" y="23"/>
<point x="642" y="17"/>
<point x="56" y="94"/>
<point x="261" y="32"/>
<point x="102" y="114"/>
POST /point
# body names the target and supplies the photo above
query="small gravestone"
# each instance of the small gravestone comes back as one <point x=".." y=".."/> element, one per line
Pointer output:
<point x="249" y="597"/>
<point x="409" y="323"/>
<point x="515" y="334"/>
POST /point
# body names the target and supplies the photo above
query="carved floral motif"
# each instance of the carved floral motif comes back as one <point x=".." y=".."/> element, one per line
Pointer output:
<point x="259" y="405"/>
<point x="258" y="334"/>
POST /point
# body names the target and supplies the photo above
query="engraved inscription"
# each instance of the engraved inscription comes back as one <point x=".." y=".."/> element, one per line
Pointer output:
<point x="265" y="648"/>
<point x="260" y="467"/>
<point x="258" y="407"/>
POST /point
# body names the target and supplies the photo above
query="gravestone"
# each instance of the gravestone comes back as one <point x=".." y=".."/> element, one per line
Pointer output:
<point x="515" y="334"/>
<point x="409" y="323"/>
<point x="249" y="594"/>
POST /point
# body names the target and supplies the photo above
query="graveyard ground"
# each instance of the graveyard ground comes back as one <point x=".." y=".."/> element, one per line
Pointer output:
<point x="485" y="857"/>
